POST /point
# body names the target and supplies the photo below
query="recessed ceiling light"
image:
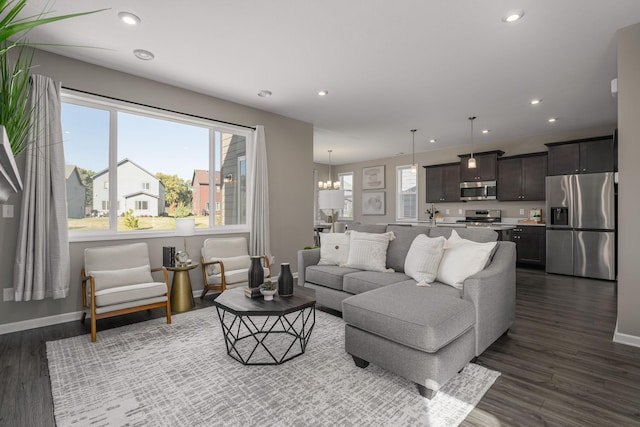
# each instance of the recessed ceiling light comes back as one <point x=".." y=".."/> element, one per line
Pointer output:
<point x="265" y="93"/>
<point x="432" y="140"/>
<point x="552" y="119"/>
<point x="486" y="131"/>
<point x="513" y="16"/>
<point x="536" y="101"/>
<point x="323" y="92"/>
<point x="129" y="18"/>
<point x="145" y="55"/>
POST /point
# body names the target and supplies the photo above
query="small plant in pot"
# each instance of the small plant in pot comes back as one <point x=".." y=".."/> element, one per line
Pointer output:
<point x="268" y="289"/>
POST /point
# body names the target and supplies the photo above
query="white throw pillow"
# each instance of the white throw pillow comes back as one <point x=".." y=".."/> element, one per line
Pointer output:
<point x="230" y="263"/>
<point x="334" y="248"/>
<point x="368" y="251"/>
<point x="106" y="279"/>
<point x="424" y="257"/>
<point x="462" y="258"/>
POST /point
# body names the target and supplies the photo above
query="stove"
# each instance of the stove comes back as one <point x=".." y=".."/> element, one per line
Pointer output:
<point x="481" y="217"/>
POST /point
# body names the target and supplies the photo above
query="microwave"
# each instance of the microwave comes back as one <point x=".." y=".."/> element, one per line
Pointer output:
<point x="478" y="190"/>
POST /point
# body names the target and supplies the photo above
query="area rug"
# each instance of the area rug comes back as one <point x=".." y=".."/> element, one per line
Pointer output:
<point x="154" y="374"/>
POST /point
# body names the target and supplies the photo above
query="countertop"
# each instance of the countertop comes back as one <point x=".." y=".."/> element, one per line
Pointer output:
<point x="496" y="226"/>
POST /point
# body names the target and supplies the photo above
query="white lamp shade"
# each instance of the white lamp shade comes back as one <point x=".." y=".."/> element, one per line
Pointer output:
<point x="331" y="199"/>
<point x="185" y="226"/>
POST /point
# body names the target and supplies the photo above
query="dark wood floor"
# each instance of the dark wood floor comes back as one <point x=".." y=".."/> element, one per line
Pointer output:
<point x="559" y="365"/>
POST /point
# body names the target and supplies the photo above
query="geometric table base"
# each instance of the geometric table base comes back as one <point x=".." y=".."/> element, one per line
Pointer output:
<point x="267" y="340"/>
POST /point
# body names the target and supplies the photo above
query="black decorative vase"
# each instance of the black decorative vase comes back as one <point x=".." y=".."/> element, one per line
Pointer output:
<point x="256" y="272"/>
<point x="285" y="281"/>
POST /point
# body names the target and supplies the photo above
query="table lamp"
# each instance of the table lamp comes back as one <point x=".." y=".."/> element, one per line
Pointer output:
<point x="185" y="227"/>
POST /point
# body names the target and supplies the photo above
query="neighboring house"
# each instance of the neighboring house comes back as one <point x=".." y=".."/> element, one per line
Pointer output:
<point x="233" y="171"/>
<point x="138" y="189"/>
<point x="76" y="193"/>
<point x="200" y="193"/>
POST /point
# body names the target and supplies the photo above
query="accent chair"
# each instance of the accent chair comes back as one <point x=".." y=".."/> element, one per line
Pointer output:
<point x="225" y="263"/>
<point x="120" y="282"/>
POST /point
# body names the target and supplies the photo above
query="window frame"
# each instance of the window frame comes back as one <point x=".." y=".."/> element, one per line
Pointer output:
<point x="399" y="192"/>
<point x="341" y="176"/>
<point x="113" y="107"/>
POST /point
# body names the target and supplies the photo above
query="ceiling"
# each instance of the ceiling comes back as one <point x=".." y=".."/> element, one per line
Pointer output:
<point x="389" y="66"/>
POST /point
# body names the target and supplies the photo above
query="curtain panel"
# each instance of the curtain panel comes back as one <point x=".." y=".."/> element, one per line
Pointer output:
<point x="259" y="237"/>
<point x="42" y="266"/>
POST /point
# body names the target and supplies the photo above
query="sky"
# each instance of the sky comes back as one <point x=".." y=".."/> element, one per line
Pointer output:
<point x="155" y="145"/>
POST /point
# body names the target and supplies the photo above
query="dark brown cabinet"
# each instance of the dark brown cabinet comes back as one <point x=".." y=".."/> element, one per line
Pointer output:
<point x="522" y="177"/>
<point x="530" y="244"/>
<point x="485" y="169"/>
<point x="443" y="183"/>
<point x="582" y="156"/>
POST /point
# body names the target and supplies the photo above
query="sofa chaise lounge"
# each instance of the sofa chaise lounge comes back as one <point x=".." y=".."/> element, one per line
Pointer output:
<point x="425" y="334"/>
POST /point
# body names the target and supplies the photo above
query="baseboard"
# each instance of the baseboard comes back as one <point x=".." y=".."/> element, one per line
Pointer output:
<point x="24" y="325"/>
<point x="626" y="339"/>
<point x="39" y="322"/>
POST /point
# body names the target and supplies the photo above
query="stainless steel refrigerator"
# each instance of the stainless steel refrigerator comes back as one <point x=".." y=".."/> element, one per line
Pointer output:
<point x="581" y="225"/>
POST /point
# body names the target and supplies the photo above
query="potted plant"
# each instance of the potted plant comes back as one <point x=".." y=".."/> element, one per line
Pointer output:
<point x="268" y="289"/>
<point x="15" y="113"/>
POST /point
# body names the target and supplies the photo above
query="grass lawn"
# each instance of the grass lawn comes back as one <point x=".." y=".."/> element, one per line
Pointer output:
<point x="144" y="223"/>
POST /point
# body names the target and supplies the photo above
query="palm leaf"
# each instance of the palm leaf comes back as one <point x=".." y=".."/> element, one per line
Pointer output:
<point x="15" y="112"/>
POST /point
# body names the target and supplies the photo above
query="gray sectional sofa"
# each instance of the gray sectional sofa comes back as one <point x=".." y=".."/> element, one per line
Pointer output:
<point x="425" y="334"/>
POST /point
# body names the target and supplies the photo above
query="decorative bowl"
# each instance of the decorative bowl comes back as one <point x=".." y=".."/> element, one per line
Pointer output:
<point x="268" y="295"/>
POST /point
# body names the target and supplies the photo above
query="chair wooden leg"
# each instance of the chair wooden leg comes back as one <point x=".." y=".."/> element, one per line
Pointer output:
<point x="84" y="316"/>
<point x="93" y="328"/>
<point x="204" y="291"/>
<point x="168" y="313"/>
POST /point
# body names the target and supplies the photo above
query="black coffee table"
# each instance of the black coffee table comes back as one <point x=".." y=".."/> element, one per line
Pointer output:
<point x="259" y="332"/>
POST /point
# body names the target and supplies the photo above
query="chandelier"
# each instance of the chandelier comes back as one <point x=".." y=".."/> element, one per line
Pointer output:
<point x="329" y="185"/>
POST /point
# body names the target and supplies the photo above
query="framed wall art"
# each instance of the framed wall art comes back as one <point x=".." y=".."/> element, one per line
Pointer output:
<point x="373" y="203"/>
<point x="373" y="178"/>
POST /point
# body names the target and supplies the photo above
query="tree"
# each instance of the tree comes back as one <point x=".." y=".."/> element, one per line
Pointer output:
<point x="176" y="190"/>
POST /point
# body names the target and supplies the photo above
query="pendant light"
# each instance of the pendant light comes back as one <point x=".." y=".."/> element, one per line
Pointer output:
<point x="414" y="167"/>
<point x="472" y="160"/>
<point x="329" y="184"/>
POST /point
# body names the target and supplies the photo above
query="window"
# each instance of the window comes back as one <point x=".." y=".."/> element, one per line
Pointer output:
<point x="146" y="160"/>
<point x="142" y="205"/>
<point x="346" y="184"/>
<point x="406" y="194"/>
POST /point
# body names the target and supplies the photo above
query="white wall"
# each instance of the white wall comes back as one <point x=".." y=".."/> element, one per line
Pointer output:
<point x="628" y="202"/>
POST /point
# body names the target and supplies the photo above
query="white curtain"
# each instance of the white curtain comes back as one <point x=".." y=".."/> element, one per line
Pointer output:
<point x="42" y="267"/>
<point x="259" y="239"/>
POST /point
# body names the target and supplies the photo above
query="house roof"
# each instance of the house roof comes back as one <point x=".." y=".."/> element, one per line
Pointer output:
<point x="68" y="170"/>
<point x="201" y="176"/>
<point x="140" y="193"/>
<point x="123" y="161"/>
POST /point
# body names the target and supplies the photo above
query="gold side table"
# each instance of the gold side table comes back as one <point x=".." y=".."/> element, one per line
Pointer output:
<point x="181" y="293"/>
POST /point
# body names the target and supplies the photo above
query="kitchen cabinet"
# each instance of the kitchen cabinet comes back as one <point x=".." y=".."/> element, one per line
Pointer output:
<point x="485" y="170"/>
<point x="443" y="183"/>
<point x="530" y="244"/>
<point x="522" y="177"/>
<point x="590" y="155"/>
